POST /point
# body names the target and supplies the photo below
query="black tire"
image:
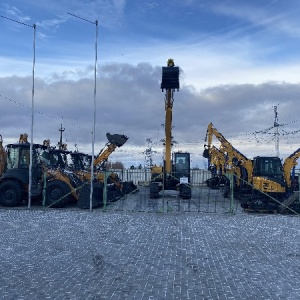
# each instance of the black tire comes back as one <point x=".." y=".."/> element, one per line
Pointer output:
<point x="56" y="192"/>
<point x="213" y="183"/>
<point x="11" y="193"/>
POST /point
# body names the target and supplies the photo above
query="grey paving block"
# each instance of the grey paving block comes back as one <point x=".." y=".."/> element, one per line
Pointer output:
<point x="82" y="254"/>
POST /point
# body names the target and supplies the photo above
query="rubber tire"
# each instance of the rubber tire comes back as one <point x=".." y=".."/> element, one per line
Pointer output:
<point x="54" y="191"/>
<point x="11" y="193"/>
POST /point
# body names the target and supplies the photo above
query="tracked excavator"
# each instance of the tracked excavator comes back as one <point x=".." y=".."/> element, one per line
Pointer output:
<point x="262" y="178"/>
<point x="175" y="174"/>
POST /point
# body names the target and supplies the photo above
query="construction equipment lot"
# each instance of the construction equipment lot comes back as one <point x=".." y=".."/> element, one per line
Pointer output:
<point x="136" y="249"/>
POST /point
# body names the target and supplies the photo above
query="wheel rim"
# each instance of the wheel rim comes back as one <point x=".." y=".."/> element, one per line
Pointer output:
<point x="55" y="193"/>
<point x="9" y="194"/>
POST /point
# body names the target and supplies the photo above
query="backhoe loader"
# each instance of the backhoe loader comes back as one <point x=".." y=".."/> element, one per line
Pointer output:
<point x="61" y="185"/>
<point x="115" y="187"/>
<point x="57" y="162"/>
<point x="175" y="174"/>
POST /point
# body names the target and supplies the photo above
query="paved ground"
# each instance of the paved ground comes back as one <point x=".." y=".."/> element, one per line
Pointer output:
<point x="82" y="254"/>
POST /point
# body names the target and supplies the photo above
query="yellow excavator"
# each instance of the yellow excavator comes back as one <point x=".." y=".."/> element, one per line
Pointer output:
<point x="256" y="178"/>
<point x="175" y="174"/>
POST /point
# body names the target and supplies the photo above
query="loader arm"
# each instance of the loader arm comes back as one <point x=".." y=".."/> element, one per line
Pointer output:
<point x="114" y="141"/>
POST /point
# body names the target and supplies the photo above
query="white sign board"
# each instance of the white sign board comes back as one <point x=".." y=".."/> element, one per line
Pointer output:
<point x="184" y="180"/>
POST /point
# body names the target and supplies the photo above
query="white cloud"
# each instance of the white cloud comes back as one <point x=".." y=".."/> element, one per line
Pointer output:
<point x="129" y="101"/>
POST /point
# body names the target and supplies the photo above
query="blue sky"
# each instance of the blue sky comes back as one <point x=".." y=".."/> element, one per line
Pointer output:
<point x="238" y="60"/>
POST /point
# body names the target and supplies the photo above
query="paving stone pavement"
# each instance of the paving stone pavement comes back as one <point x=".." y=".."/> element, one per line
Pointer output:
<point x="82" y="254"/>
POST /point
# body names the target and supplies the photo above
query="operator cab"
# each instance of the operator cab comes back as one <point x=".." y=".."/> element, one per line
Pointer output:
<point x="18" y="155"/>
<point x="182" y="166"/>
<point x="268" y="167"/>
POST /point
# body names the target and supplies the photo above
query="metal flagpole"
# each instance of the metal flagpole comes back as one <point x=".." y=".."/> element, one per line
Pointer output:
<point x="94" y="118"/>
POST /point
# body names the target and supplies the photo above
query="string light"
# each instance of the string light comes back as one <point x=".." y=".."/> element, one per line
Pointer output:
<point x="44" y="114"/>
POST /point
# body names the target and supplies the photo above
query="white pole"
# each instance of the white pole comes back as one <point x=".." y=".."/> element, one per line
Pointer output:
<point x="32" y="121"/>
<point x="94" y="119"/>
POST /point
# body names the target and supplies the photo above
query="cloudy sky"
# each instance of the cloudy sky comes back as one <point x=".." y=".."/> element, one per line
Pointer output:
<point x="238" y="61"/>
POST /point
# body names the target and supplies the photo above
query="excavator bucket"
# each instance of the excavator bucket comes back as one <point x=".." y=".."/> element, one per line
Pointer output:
<point x="206" y="153"/>
<point x="117" y="139"/>
<point x="170" y="78"/>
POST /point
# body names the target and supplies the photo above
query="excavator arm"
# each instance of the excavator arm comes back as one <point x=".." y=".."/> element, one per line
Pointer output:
<point x="234" y="158"/>
<point x="289" y="163"/>
<point x="217" y="159"/>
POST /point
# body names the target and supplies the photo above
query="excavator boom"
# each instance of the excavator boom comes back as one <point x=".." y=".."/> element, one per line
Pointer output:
<point x="170" y="82"/>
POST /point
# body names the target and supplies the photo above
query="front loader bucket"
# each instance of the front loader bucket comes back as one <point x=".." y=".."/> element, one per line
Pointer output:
<point x="129" y="187"/>
<point x="113" y="193"/>
<point x="84" y="196"/>
<point x="117" y="139"/>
